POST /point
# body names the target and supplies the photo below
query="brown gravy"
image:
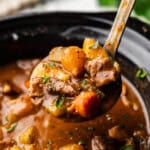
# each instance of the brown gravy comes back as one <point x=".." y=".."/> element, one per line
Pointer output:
<point x="56" y="130"/>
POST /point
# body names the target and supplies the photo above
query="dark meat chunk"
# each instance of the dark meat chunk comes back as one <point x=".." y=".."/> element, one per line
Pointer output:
<point x="101" y="70"/>
<point x="36" y="87"/>
<point x="102" y="143"/>
<point x="68" y="87"/>
<point x="5" y="143"/>
<point x="98" y="143"/>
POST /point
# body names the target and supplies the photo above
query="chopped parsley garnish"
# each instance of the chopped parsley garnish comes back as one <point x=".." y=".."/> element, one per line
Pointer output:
<point x="60" y="101"/>
<point x="52" y="64"/>
<point x="121" y="126"/>
<point x="91" y="128"/>
<point x="44" y="65"/>
<point x="46" y="79"/>
<point x="127" y="147"/>
<point x="12" y="128"/>
<point x="141" y="74"/>
<point x="100" y="94"/>
<point x="141" y="125"/>
<point x="49" y="142"/>
<point x="71" y="133"/>
<point x="52" y="89"/>
<point x="83" y="82"/>
<point x="126" y="116"/>
<point x="81" y="143"/>
<point x="95" y="45"/>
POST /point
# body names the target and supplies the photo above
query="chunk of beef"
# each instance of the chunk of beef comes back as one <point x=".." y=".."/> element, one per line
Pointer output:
<point x="5" y="143"/>
<point x="68" y="87"/>
<point x="102" y="143"/>
<point x="101" y="70"/>
<point x="36" y="87"/>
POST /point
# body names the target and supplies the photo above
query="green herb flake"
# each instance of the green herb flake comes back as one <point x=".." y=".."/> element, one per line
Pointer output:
<point x="91" y="128"/>
<point x="82" y="143"/>
<point x="83" y="82"/>
<point x="49" y="145"/>
<point x="49" y="142"/>
<point x="46" y="79"/>
<point x="12" y="128"/>
<point x="126" y="116"/>
<point x="60" y="101"/>
<point x="71" y="133"/>
<point x="127" y="147"/>
<point x="141" y="74"/>
<point x="52" y="89"/>
<point x="95" y="46"/>
<point x="100" y="94"/>
<point x="121" y="126"/>
<point x="52" y="64"/>
<point x="44" y="65"/>
<point x="141" y="125"/>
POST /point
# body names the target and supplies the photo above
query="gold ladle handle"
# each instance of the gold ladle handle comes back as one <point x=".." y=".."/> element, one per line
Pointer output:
<point x="113" y="40"/>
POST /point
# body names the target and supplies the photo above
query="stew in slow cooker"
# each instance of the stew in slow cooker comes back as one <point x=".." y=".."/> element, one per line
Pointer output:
<point x="68" y="82"/>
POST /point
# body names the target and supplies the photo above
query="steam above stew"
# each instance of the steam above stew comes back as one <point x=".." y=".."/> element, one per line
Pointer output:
<point x="70" y="81"/>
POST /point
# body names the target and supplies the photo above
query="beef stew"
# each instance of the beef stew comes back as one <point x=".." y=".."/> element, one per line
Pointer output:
<point x="27" y="124"/>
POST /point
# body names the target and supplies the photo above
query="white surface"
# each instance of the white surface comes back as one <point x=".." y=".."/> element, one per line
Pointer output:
<point x="8" y="7"/>
<point x="69" y="5"/>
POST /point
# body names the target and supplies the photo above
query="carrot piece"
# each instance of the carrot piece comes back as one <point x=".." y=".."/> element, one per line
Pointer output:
<point x="27" y="84"/>
<point x="87" y="104"/>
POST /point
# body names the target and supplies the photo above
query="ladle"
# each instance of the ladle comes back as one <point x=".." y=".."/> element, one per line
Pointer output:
<point x="113" y="90"/>
<point x="113" y="40"/>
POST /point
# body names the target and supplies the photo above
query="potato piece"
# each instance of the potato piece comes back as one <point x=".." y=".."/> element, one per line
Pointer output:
<point x="7" y="89"/>
<point x="93" y="49"/>
<point x="86" y="104"/>
<point x="29" y="136"/>
<point x="32" y="147"/>
<point x="117" y="133"/>
<point x="57" y="112"/>
<point x="73" y="60"/>
<point x="72" y="147"/>
<point x="20" y="107"/>
<point x="11" y="118"/>
<point x="45" y="70"/>
<point x="15" y="147"/>
<point x="117" y="67"/>
<point x="56" y="54"/>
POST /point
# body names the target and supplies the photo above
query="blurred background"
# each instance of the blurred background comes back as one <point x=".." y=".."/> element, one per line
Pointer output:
<point x="9" y="7"/>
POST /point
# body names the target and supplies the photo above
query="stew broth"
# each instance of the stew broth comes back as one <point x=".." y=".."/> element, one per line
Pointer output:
<point x="52" y="132"/>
